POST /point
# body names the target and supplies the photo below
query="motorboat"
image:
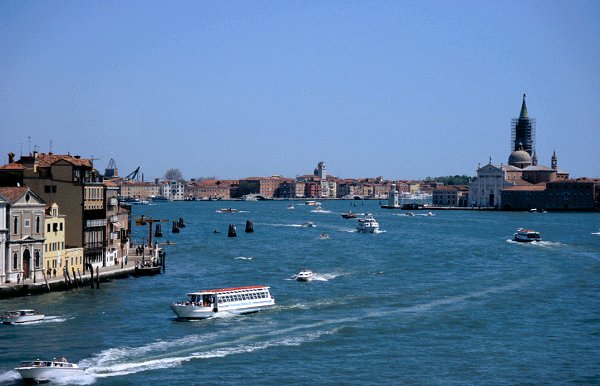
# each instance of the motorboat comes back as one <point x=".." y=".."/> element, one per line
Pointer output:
<point x="21" y="316"/>
<point x="312" y="203"/>
<point x="324" y="236"/>
<point x="409" y="214"/>
<point x="42" y="371"/>
<point x="237" y="300"/>
<point x="305" y="275"/>
<point x="309" y="224"/>
<point x="290" y="206"/>
<point x="367" y="224"/>
<point x="348" y="215"/>
<point x="227" y="210"/>
<point x="527" y="235"/>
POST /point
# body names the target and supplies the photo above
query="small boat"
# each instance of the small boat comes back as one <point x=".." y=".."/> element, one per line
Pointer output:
<point x="21" y="316"/>
<point x="324" y="236"/>
<point x="409" y="214"/>
<point x="349" y="215"/>
<point x="238" y="300"/>
<point x="367" y="224"/>
<point x="291" y="207"/>
<point x="305" y="275"/>
<point x="527" y="235"/>
<point x="309" y="224"/>
<point x="312" y="203"/>
<point x="227" y="210"/>
<point x="41" y="371"/>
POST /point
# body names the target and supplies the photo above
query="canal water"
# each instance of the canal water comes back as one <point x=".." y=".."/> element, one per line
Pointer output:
<point x="442" y="299"/>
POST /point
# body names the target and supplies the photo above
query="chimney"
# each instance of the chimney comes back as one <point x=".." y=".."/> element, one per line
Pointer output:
<point x="11" y="157"/>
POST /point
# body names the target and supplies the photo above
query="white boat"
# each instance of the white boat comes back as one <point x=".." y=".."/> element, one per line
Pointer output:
<point x="290" y="206"/>
<point x="227" y="210"/>
<point x="324" y="236"/>
<point x="527" y="235"/>
<point x="309" y="224"/>
<point x="21" y="316"/>
<point x="367" y="224"/>
<point x="237" y="300"/>
<point x="312" y="203"/>
<point x="305" y="275"/>
<point x="40" y="371"/>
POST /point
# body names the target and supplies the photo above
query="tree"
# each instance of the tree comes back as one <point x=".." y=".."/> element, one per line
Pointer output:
<point x="173" y="174"/>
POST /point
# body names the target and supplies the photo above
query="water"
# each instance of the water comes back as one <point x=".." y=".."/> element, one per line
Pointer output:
<point x="443" y="299"/>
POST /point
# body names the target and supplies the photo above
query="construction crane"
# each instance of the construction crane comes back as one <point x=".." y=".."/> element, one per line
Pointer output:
<point x="133" y="175"/>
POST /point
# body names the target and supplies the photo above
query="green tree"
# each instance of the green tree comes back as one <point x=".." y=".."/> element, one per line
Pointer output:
<point x="174" y="174"/>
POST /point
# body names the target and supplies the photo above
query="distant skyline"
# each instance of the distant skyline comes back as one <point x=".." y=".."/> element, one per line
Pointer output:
<point x="403" y="90"/>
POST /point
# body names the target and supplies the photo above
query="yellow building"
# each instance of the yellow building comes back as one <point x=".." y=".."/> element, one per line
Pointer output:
<point x="57" y="257"/>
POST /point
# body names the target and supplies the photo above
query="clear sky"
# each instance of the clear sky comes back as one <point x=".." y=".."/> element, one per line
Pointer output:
<point x="399" y="89"/>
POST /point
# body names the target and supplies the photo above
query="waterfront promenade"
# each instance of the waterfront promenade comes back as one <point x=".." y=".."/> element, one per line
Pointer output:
<point x="118" y="271"/>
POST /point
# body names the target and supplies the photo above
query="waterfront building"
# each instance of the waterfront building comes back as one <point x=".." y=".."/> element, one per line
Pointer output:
<point x="57" y="257"/>
<point x="577" y="194"/>
<point x="24" y="256"/>
<point x="521" y="171"/>
<point x="3" y="237"/>
<point x="173" y="190"/>
<point x="138" y="190"/>
<point x="454" y="195"/>
<point x="117" y="229"/>
<point x="209" y="189"/>
<point x="74" y="184"/>
<point x="263" y="186"/>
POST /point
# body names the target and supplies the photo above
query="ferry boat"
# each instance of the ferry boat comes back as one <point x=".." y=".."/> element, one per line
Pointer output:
<point x="42" y="371"/>
<point x="305" y="275"/>
<point x="527" y="235"/>
<point x="238" y="300"/>
<point x="21" y="316"/>
<point x="367" y="224"/>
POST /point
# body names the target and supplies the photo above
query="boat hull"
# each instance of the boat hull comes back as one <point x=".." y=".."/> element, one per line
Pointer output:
<point x="23" y="319"/>
<point x="39" y="374"/>
<point x="146" y="271"/>
<point x="187" y="312"/>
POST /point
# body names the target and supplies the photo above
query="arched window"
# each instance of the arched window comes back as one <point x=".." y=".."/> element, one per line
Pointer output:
<point x="15" y="261"/>
<point x="37" y="259"/>
<point x="15" y="225"/>
<point x="37" y="224"/>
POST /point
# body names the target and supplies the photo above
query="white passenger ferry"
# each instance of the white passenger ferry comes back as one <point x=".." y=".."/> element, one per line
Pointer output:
<point x="367" y="224"/>
<point x="237" y="300"/>
<point x="42" y="371"/>
<point x="527" y="235"/>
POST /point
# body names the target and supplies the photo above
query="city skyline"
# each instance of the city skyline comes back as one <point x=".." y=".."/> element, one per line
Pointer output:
<point x="399" y="90"/>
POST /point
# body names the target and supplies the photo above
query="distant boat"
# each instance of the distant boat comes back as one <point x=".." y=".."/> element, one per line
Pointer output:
<point x="291" y="207"/>
<point x="367" y="224"/>
<point x="227" y="210"/>
<point x="312" y="203"/>
<point x="324" y="236"/>
<point x="305" y="275"/>
<point x="527" y="235"/>
<point x="309" y="224"/>
<point x="21" y="316"/>
<point x="348" y="215"/>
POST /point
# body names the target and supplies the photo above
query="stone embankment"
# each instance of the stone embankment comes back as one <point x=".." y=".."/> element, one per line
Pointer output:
<point x="42" y="286"/>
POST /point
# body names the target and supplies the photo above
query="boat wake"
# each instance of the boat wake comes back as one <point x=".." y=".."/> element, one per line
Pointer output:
<point x="320" y="211"/>
<point x="244" y="258"/>
<point x="327" y="276"/>
<point x="168" y="354"/>
<point x="596" y="233"/>
<point x="538" y="244"/>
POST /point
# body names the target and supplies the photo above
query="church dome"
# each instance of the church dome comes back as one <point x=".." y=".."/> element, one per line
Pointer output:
<point x="519" y="158"/>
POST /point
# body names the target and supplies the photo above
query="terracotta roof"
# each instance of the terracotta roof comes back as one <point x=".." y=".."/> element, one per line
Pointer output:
<point x="527" y="188"/>
<point x="12" y="166"/>
<point x="45" y="160"/>
<point x="13" y="193"/>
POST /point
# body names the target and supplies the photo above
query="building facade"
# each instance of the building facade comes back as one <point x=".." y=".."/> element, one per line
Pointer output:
<point x="24" y="257"/>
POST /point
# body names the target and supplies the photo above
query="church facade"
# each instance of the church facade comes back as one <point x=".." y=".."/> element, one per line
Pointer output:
<point x="520" y="173"/>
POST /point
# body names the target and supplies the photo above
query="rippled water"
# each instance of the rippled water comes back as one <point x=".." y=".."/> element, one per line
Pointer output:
<point x="437" y="299"/>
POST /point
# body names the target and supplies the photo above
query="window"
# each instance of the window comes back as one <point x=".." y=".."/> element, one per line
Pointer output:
<point x="61" y="226"/>
<point x="26" y="223"/>
<point x="48" y="228"/>
<point x="15" y="225"/>
<point x="47" y="188"/>
<point x="37" y="224"/>
<point x="15" y="261"/>
<point x="37" y="258"/>
<point x="55" y="227"/>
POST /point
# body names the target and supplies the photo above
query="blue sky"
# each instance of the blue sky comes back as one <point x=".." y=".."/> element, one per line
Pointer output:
<point x="399" y="89"/>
